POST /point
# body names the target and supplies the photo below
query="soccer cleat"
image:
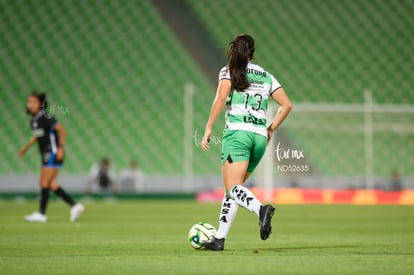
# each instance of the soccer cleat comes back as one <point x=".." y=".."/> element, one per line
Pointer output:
<point x="76" y="211"/>
<point x="36" y="217"/>
<point x="214" y="244"/>
<point x="266" y="213"/>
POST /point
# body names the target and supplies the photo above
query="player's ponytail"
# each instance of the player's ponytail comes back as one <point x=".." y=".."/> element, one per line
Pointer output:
<point x="43" y="100"/>
<point x="239" y="52"/>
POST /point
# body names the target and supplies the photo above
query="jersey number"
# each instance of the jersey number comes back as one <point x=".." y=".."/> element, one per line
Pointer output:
<point x="255" y="106"/>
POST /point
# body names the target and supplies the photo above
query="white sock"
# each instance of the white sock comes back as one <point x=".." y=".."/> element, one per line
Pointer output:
<point x="245" y="198"/>
<point x="227" y="214"/>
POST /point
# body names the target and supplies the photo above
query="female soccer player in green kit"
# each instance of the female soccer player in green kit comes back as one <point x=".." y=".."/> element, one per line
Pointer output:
<point x="244" y="88"/>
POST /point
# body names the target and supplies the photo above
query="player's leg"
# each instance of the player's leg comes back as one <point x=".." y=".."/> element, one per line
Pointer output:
<point x="227" y="215"/>
<point x="266" y="211"/>
<point x="237" y="167"/>
<point x="229" y="206"/>
<point x="233" y="176"/>
<point x="46" y="174"/>
<point x="247" y="176"/>
<point x="228" y="210"/>
<point x="59" y="191"/>
<point x="236" y="171"/>
<point x="76" y="208"/>
<point x="235" y="162"/>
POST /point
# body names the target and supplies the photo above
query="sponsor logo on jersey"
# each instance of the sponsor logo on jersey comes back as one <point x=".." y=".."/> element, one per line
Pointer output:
<point x="254" y="120"/>
<point x="38" y="132"/>
<point x="256" y="72"/>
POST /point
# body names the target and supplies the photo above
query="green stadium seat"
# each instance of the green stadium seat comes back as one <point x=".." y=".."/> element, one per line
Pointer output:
<point x="119" y="70"/>
<point x="122" y="73"/>
<point x="330" y="51"/>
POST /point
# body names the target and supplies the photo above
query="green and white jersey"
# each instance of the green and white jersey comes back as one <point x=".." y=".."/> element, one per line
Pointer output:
<point x="247" y="110"/>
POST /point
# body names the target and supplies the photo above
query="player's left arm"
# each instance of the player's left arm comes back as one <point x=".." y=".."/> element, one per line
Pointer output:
<point x="29" y="144"/>
<point x="281" y="98"/>
<point x="223" y="91"/>
<point x="62" y="139"/>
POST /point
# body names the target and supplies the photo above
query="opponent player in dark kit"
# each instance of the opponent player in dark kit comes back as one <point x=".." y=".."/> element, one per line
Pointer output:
<point x="50" y="136"/>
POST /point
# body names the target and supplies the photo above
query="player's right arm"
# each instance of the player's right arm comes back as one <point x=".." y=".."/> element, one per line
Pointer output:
<point x="223" y="91"/>
<point x="23" y="150"/>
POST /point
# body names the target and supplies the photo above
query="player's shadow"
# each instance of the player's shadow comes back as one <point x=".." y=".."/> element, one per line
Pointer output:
<point x="282" y="249"/>
<point x="297" y="248"/>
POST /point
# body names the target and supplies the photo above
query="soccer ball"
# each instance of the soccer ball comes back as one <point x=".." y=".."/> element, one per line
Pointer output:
<point x="200" y="232"/>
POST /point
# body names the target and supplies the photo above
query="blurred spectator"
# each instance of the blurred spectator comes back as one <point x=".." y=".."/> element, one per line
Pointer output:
<point x="101" y="177"/>
<point x="132" y="178"/>
<point x="395" y="183"/>
<point x="250" y="183"/>
<point x="379" y="186"/>
<point x="294" y="183"/>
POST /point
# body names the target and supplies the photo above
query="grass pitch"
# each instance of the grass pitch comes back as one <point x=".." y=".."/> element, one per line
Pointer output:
<point x="150" y="237"/>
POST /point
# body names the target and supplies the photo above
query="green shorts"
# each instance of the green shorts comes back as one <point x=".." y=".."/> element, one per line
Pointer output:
<point x="241" y="145"/>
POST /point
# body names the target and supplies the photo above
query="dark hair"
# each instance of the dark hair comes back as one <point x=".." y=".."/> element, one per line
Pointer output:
<point x="105" y="161"/>
<point x="42" y="99"/>
<point x="240" y="50"/>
